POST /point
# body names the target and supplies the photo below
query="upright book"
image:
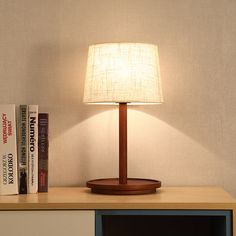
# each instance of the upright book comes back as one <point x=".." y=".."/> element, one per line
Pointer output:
<point x="43" y="152"/>
<point x="23" y="148"/>
<point x="33" y="149"/>
<point x="8" y="151"/>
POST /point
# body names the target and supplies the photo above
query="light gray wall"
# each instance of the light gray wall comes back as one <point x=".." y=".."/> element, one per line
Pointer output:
<point x="189" y="140"/>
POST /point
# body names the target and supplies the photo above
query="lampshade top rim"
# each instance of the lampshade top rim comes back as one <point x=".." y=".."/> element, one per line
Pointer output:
<point x="116" y="43"/>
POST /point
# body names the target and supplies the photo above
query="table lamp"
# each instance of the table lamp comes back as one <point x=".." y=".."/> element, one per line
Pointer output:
<point x="123" y="73"/>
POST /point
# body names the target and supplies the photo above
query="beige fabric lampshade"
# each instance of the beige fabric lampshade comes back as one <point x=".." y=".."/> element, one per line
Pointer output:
<point x="123" y="73"/>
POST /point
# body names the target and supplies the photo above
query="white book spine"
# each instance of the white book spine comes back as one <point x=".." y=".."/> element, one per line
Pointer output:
<point x="33" y="149"/>
<point x="8" y="150"/>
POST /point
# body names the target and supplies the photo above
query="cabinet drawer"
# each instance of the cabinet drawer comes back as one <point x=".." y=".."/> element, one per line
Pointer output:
<point x="47" y="223"/>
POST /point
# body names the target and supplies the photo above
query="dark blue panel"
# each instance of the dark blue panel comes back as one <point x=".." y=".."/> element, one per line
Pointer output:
<point x="225" y="213"/>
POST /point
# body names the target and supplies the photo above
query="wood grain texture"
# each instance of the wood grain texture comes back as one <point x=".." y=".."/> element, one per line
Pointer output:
<point x="133" y="186"/>
<point x="123" y="143"/>
<point x="81" y="198"/>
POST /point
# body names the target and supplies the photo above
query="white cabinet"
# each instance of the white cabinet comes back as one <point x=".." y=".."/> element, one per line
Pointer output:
<point x="47" y="223"/>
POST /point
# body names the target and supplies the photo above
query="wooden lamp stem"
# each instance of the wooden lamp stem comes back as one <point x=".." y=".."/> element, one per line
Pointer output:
<point x="123" y="143"/>
<point x="123" y="185"/>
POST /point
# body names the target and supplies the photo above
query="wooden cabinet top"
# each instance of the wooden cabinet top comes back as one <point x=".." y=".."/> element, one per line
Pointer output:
<point x="81" y="198"/>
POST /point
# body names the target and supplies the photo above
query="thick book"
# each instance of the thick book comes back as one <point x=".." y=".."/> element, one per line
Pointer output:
<point x="8" y="150"/>
<point x="43" y="144"/>
<point x="33" y="149"/>
<point x="23" y="148"/>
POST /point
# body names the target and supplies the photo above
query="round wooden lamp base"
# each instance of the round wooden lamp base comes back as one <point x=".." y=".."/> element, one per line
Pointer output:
<point x="133" y="186"/>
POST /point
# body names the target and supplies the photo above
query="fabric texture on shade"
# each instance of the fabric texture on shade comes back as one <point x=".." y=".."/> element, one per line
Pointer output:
<point x="123" y="73"/>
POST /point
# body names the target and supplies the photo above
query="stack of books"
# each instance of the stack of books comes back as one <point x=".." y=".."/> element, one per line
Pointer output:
<point x="23" y="150"/>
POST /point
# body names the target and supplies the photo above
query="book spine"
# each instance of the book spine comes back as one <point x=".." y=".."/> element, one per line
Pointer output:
<point x="33" y="149"/>
<point x="43" y="152"/>
<point x="8" y="151"/>
<point x="23" y="148"/>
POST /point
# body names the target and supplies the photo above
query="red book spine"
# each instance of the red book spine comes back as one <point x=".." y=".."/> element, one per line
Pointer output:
<point x="43" y="152"/>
